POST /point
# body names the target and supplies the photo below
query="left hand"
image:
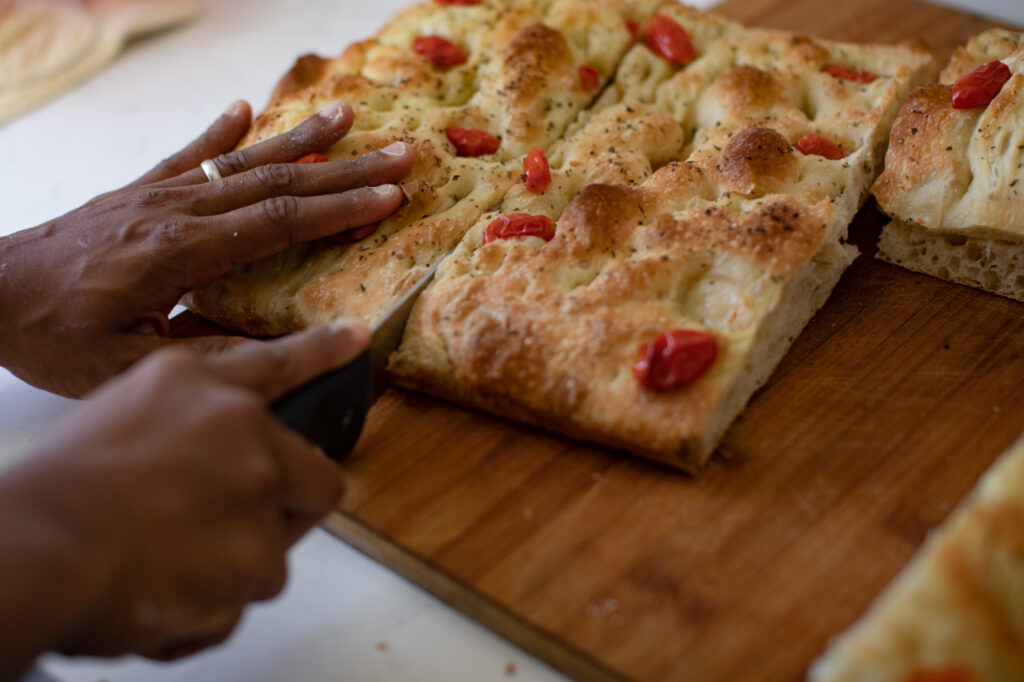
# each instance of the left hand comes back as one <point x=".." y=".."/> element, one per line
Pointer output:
<point x="84" y="296"/>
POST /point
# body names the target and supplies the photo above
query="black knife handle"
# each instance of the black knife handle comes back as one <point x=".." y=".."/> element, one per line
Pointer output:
<point x="330" y="410"/>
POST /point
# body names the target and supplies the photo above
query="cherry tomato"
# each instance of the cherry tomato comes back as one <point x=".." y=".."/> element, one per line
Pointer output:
<point x="668" y="39"/>
<point x="315" y="157"/>
<point x="675" y="359"/>
<point x="471" y="142"/>
<point x="536" y="171"/>
<point x="978" y="87"/>
<point x="811" y="144"/>
<point x="443" y="52"/>
<point x="462" y="3"/>
<point x="520" y="225"/>
<point x="634" y="29"/>
<point x="590" y="79"/>
<point x="849" y="74"/>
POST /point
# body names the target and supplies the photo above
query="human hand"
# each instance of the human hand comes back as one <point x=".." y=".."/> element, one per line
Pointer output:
<point x="165" y="502"/>
<point x="84" y="296"/>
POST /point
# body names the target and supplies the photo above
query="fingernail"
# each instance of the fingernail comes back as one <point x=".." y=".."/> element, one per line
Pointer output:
<point x="340" y="325"/>
<point x="235" y="108"/>
<point x="394" y="149"/>
<point x="385" y="190"/>
<point x="353" y="330"/>
<point x="347" y="325"/>
<point x="333" y="111"/>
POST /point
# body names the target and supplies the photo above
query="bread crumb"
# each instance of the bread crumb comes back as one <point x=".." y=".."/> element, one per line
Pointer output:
<point x="383" y="646"/>
<point x="510" y="669"/>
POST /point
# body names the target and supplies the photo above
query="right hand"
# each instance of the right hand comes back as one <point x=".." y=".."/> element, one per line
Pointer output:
<point x="176" y="494"/>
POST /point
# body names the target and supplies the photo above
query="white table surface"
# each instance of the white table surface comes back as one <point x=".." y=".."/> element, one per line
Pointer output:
<point x="342" y="617"/>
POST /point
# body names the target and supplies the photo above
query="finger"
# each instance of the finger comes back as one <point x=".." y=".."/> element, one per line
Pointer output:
<point x="316" y="133"/>
<point x="310" y="486"/>
<point x="273" y="180"/>
<point x="216" y="631"/>
<point x="219" y="138"/>
<point x="275" y="575"/>
<point x="273" y="368"/>
<point x="262" y="229"/>
<point x="142" y="345"/>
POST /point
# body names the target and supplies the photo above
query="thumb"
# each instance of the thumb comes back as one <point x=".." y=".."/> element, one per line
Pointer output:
<point x="273" y="368"/>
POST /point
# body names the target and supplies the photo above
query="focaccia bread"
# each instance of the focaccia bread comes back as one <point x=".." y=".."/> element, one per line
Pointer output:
<point x="956" y="612"/>
<point x="681" y="202"/>
<point x="954" y="178"/>
<point x="522" y="81"/>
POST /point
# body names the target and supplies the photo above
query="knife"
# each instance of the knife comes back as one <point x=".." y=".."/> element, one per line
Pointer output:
<point x="330" y="410"/>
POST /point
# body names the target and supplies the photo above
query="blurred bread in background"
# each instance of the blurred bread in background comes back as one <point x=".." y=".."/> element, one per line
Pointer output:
<point x="48" y="46"/>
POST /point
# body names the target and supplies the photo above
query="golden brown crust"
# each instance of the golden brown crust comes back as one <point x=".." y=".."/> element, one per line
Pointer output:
<point x="923" y="148"/>
<point x="308" y="70"/>
<point x="756" y="160"/>
<point x="549" y="334"/>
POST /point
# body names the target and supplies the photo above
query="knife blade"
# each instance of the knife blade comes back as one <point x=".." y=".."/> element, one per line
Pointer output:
<point x="330" y="410"/>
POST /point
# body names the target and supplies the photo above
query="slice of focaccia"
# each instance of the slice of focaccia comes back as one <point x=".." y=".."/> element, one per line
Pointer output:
<point x="954" y="178"/>
<point x="518" y="71"/>
<point x="692" y="226"/>
<point x="956" y="612"/>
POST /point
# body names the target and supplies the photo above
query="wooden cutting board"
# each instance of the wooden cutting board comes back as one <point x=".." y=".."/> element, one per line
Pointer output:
<point x="895" y="399"/>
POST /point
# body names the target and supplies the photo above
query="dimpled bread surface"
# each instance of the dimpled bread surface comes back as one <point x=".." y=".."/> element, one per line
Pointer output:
<point x="520" y="83"/>
<point x="680" y="199"/>
<point x="680" y="203"/>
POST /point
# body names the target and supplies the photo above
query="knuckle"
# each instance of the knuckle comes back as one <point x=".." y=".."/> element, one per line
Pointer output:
<point x="281" y="211"/>
<point x="238" y="409"/>
<point x="259" y="478"/>
<point x="233" y="163"/>
<point x="173" y="362"/>
<point x="166" y="369"/>
<point x="226" y="630"/>
<point x="275" y="177"/>
<point x="248" y="558"/>
<point x="149" y="197"/>
<point x="171" y="233"/>
<point x="275" y="359"/>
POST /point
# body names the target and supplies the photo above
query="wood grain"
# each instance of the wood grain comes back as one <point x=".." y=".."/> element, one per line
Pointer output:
<point x="891" y="404"/>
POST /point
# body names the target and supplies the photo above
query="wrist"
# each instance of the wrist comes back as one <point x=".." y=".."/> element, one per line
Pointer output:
<point x="51" y="580"/>
<point x="30" y="310"/>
